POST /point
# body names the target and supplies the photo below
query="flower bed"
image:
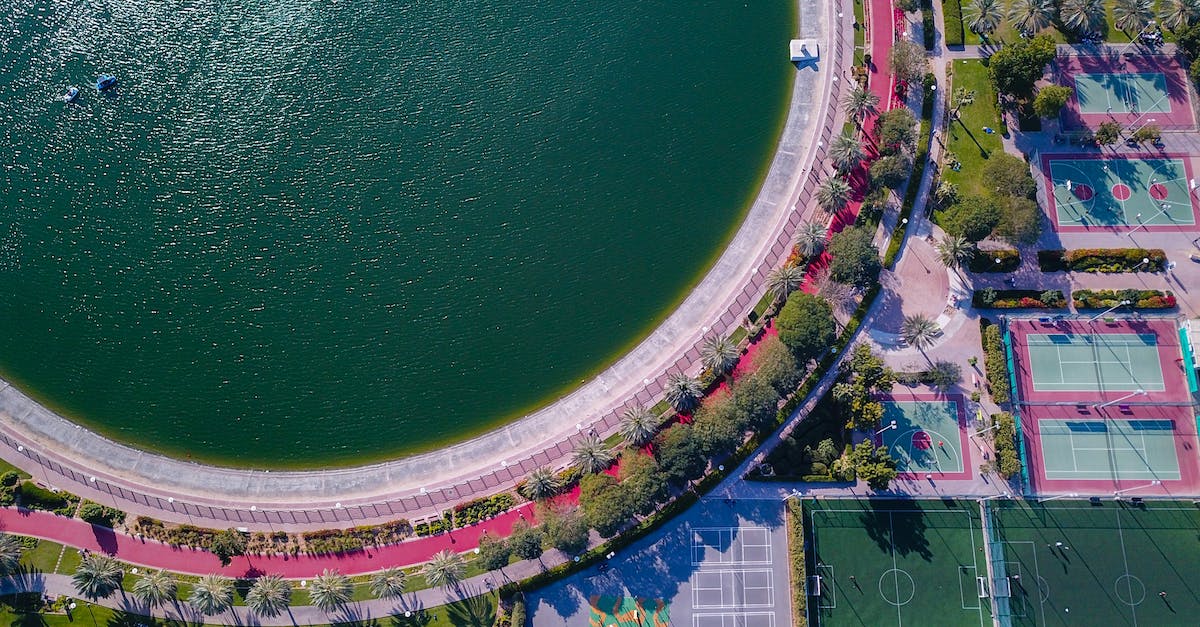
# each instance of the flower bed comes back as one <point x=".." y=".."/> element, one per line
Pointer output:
<point x="1105" y="260"/>
<point x="985" y="260"/>
<point x="989" y="298"/>
<point x="1139" y="299"/>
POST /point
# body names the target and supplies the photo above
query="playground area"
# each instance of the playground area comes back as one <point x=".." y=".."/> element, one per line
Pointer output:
<point x="1087" y="192"/>
<point x="1103" y="406"/>
<point x="893" y="562"/>
<point x="1130" y="89"/>
<point x="1080" y="563"/>
<point x="929" y="437"/>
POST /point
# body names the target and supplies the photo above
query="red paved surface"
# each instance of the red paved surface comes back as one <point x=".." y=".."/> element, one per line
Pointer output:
<point x="79" y="534"/>
<point x="1180" y="117"/>
<point x="1121" y="192"/>
<point x="960" y="402"/>
<point x="1077" y="405"/>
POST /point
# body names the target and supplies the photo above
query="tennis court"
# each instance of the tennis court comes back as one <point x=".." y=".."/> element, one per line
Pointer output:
<point x="1140" y="92"/>
<point x="1109" y="449"/>
<point x="1111" y="563"/>
<point x="887" y="562"/>
<point x="928" y="437"/>
<point x="1094" y="362"/>
<point x="1090" y="191"/>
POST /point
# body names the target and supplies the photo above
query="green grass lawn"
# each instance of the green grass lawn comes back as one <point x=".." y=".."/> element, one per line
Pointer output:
<point x="965" y="137"/>
<point x="5" y="467"/>
<point x="43" y="557"/>
<point x="1007" y="33"/>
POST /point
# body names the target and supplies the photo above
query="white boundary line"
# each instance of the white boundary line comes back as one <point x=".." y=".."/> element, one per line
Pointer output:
<point x="696" y="618"/>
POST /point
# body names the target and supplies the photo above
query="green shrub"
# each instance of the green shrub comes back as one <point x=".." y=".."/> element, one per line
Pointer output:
<point x="995" y="363"/>
<point x="952" y="12"/>
<point x="31" y="496"/>
<point x="482" y="509"/>
<point x="1139" y="299"/>
<point x="928" y="29"/>
<point x="990" y="298"/>
<point x="1008" y="461"/>
<point x="795" y="521"/>
<point x="1102" y="260"/>
<point x="9" y="479"/>
<point x="985" y="260"/>
<point x="97" y="514"/>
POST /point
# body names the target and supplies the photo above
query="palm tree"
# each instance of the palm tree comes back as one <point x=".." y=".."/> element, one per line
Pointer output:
<point x="269" y="595"/>
<point x="1031" y="16"/>
<point x="833" y="194"/>
<point x="542" y="483"/>
<point x="591" y="455"/>
<point x="919" y="331"/>
<point x="213" y="594"/>
<point x="1176" y="14"/>
<point x="963" y="97"/>
<point x="1083" y="16"/>
<point x="10" y="553"/>
<point x="810" y="238"/>
<point x="784" y="280"/>
<point x="983" y="16"/>
<point x="860" y="103"/>
<point x="388" y="583"/>
<point x="638" y="425"/>
<point x="97" y="576"/>
<point x="330" y="590"/>
<point x="846" y="152"/>
<point x="719" y="354"/>
<point x="1132" y="15"/>
<point x="155" y="588"/>
<point x="955" y="250"/>
<point x="446" y="568"/>
<point x="682" y="392"/>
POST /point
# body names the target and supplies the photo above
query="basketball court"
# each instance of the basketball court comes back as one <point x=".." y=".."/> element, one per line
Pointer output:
<point x="929" y="437"/>
<point x="1130" y="89"/>
<point x="890" y="562"/>
<point x="1080" y="563"/>
<point x="1092" y="191"/>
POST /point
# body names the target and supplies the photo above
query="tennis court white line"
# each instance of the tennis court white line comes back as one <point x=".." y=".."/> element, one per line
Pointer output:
<point x="697" y="618"/>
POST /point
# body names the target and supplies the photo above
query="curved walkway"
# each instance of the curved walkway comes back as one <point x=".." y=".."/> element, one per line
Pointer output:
<point x="64" y="455"/>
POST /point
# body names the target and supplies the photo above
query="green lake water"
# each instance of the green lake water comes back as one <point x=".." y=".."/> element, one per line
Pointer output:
<point x="303" y="233"/>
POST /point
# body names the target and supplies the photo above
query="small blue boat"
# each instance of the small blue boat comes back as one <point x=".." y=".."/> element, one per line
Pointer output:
<point x="105" y="82"/>
<point x="71" y="95"/>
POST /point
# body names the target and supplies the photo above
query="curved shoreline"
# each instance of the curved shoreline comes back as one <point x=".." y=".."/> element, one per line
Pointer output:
<point x="67" y="456"/>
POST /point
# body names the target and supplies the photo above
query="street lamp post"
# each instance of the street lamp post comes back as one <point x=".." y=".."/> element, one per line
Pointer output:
<point x="890" y="426"/>
<point x="1137" y="392"/>
<point x="1117" y="494"/>
<point x="1060" y="496"/>
<point x="1109" y="310"/>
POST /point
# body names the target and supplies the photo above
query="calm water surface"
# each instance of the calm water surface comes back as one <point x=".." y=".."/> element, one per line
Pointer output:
<point x="315" y="233"/>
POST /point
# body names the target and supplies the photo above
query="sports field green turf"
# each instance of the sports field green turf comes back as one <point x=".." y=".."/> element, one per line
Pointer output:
<point x="1109" y="449"/>
<point x="1123" y="362"/>
<point x="890" y="562"/>
<point x="1144" y="92"/>
<point x="926" y="437"/>
<point x="1113" y="562"/>
<point x="1121" y="192"/>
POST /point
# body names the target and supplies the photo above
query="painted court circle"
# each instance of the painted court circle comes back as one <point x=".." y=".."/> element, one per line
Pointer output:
<point x="897" y="587"/>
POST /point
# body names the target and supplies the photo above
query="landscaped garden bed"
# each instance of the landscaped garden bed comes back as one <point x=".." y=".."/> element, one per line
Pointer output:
<point x="994" y="362"/>
<point x="1104" y="260"/>
<point x="1138" y="299"/>
<point x="995" y="260"/>
<point x="989" y="298"/>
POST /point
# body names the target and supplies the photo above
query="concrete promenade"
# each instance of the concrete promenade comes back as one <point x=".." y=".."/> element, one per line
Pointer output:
<point x="66" y="456"/>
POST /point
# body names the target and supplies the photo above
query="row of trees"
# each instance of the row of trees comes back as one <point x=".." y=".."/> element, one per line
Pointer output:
<point x="1030" y="17"/>
<point x="100" y="576"/>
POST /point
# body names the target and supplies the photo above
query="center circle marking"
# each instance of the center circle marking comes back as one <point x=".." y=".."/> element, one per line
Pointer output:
<point x="1121" y="191"/>
<point x="897" y="587"/>
<point x="1130" y="590"/>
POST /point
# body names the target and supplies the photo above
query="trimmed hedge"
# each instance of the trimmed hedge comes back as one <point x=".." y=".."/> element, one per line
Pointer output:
<point x="32" y="496"/>
<point x="989" y="298"/>
<point x="97" y="514"/>
<point x="1104" y="260"/>
<point x="482" y="509"/>
<point x="985" y="260"/>
<point x="1008" y="461"/>
<point x="795" y="517"/>
<point x="994" y="362"/>
<point x="952" y="12"/>
<point x="1141" y="299"/>
<point x="928" y="28"/>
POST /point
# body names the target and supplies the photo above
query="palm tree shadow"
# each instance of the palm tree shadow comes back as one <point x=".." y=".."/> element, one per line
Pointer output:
<point x="472" y="612"/>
